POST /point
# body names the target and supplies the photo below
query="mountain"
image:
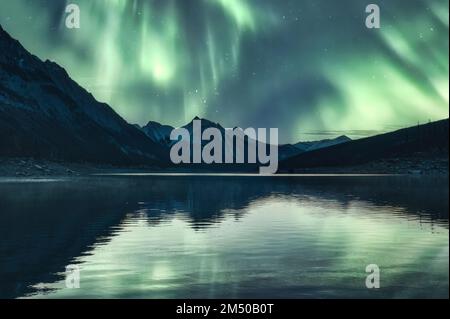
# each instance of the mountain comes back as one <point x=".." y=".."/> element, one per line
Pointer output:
<point x="316" y="145"/>
<point x="161" y="134"/>
<point x="423" y="139"/>
<point x="206" y="124"/>
<point x="45" y="114"/>
<point x="226" y="147"/>
<point x="158" y="133"/>
<point x="288" y="150"/>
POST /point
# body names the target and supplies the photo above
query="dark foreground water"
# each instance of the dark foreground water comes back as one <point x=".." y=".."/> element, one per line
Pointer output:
<point x="224" y="237"/>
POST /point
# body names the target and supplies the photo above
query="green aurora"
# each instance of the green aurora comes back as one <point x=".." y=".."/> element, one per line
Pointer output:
<point x="308" y="67"/>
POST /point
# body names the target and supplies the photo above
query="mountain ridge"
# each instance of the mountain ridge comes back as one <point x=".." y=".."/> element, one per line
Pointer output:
<point x="406" y="142"/>
<point x="44" y="113"/>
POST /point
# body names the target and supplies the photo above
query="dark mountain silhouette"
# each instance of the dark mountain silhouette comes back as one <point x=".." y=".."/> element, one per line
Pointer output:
<point x="45" y="114"/>
<point x="428" y="138"/>
<point x="290" y="150"/>
<point x="228" y="146"/>
<point x="161" y="134"/>
<point x="315" y="145"/>
<point x="206" y="124"/>
<point x="158" y="133"/>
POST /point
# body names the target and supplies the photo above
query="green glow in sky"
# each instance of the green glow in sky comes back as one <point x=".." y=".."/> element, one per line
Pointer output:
<point x="297" y="65"/>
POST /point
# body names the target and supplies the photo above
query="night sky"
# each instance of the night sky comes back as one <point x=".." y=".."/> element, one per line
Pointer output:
<point x="309" y="67"/>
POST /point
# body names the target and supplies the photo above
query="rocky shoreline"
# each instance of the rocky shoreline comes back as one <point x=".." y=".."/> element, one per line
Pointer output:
<point x="35" y="168"/>
<point x="401" y="166"/>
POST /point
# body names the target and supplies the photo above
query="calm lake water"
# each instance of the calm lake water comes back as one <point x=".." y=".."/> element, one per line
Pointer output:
<point x="224" y="237"/>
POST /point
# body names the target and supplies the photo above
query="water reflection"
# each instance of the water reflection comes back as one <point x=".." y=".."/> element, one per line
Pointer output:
<point x="187" y="237"/>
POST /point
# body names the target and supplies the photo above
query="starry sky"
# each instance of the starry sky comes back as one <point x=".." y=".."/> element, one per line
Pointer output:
<point x="308" y="67"/>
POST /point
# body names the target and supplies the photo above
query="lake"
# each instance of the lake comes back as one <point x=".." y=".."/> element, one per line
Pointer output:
<point x="182" y="236"/>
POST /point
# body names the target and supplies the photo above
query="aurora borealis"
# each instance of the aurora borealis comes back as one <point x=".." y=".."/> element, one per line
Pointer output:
<point x="303" y="66"/>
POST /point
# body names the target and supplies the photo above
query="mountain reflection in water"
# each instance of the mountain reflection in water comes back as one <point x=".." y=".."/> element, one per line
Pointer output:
<point x="224" y="237"/>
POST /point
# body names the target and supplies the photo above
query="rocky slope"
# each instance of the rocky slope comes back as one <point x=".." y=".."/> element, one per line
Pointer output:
<point x="45" y="114"/>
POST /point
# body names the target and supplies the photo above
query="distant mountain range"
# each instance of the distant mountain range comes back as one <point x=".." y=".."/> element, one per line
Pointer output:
<point x="288" y="150"/>
<point x="316" y="145"/>
<point x="422" y="139"/>
<point x="46" y="115"/>
<point x="161" y="134"/>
